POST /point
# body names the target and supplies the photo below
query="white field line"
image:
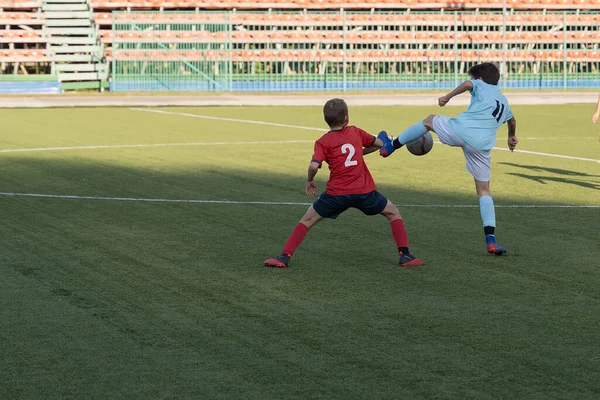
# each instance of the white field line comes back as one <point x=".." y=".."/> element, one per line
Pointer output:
<point x="249" y="121"/>
<point x="270" y="203"/>
<point x="565" y="138"/>
<point x="124" y="146"/>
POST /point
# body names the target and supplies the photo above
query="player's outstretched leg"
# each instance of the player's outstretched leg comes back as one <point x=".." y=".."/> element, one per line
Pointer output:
<point x="295" y="239"/>
<point x="406" y="259"/>
<point x="384" y="137"/>
<point x="410" y="134"/>
<point x="488" y="217"/>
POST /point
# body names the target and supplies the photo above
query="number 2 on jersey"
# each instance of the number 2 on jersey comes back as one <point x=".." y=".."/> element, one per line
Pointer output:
<point x="497" y="113"/>
<point x="348" y="148"/>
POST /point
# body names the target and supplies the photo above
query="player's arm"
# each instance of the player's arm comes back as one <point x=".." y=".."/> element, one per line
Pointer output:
<point x="460" y="89"/>
<point x="597" y="113"/>
<point x="319" y="155"/>
<point x="311" y="186"/>
<point x="377" y="144"/>
<point x="512" y="133"/>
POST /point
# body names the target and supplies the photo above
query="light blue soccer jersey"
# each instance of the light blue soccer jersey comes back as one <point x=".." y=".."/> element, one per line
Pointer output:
<point x="488" y="110"/>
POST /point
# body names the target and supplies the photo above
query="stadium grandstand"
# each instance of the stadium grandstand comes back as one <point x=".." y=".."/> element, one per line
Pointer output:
<point x="294" y="45"/>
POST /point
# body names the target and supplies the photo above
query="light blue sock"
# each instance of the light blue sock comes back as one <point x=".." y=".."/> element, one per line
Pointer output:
<point x="412" y="133"/>
<point x="486" y="207"/>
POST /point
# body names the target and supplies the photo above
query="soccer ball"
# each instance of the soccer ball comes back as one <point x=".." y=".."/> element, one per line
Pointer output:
<point x="421" y="146"/>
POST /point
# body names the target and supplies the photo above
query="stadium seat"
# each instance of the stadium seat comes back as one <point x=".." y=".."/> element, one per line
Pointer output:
<point x="580" y="36"/>
<point x="556" y="55"/>
<point x="593" y="55"/>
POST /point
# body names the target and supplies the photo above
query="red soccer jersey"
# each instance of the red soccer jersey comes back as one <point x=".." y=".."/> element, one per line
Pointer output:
<point x="342" y="151"/>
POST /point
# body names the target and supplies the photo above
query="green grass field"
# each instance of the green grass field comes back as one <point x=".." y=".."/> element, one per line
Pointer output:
<point x="107" y="298"/>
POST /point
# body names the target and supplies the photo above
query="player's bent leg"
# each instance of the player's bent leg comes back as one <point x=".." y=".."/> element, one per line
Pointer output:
<point x="406" y="259"/>
<point x="310" y="219"/>
<point x="428" y="122"/>
<point x="440" y="126"/>
<point x="384" y="137"/>
<point x="411" y="133"/>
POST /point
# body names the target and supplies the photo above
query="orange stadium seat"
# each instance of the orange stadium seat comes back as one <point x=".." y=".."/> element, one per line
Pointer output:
<point x="575" y="54"/>
<point x="441" y="36"/>
<point x="556" y="55"/>
<point x="334" y="36"/>
<point x="580" y="36"/>
<point x="424" y="36"/>
<point x="296" y="35"/>
<point x="30" y="35"/>
<point x="494" y="36"/>
<point x="405" y="36"/>
<point x="528" y="36"/>
<point x="476" y="36"/>
<point x="519" y="55"/>
<point x="314" y="36"/>
<point x="11" y="35"/>
<point x="458" y="36"/>
<point x="239" y="35"/>
<point x="186" y="36"/>
<point x="594" y="54"/>
<point x="440" y="55"/>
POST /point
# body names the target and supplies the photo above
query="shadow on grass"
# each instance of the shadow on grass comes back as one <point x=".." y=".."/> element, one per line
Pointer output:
<point x="545" y="179"/>
<point x="557" y="171"/>
<point x="130" y="299"/>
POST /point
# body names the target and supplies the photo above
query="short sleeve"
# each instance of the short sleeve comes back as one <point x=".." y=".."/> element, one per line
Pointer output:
<point x="366" y="139"/>
<point x="477" y="84"/>
<point x="508" y="115"/>
<point x="319" y="154"/>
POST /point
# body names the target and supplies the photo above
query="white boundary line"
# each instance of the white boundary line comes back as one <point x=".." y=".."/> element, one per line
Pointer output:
<point x="269" y="203"/>
<point x="123" y="146"/>
<point x="248" y="121"/>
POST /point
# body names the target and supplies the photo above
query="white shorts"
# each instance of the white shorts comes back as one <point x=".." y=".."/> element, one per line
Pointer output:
<point x="478" y="162"/>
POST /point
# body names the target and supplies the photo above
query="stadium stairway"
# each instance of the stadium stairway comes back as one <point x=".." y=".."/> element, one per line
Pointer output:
<point x="74" y="45"/>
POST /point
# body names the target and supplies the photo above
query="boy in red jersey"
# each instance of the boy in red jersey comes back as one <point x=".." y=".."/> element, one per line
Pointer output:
<point x="350" y="184"/>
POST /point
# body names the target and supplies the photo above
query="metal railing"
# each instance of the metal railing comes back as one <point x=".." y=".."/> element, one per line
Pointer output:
<point x="343" y="51"/>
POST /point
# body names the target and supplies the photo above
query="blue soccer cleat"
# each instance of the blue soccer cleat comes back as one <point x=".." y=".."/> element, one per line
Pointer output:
<point x="388" y="145"/>
<point x="493" y="247"/>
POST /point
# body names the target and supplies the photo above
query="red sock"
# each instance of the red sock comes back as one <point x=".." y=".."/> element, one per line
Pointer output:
<point x="295" y="239"/>
<point x="399" y="233"/>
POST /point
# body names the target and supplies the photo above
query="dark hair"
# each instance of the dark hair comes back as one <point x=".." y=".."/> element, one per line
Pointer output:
<point x="335" y="111"/>
<point x="488" y="72"/>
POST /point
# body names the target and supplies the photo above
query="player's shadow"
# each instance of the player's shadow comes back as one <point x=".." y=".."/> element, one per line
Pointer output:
<point x="557" y="171"/>
<point x="545" y="179"/>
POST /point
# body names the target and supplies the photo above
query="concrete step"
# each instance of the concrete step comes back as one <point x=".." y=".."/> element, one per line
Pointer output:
<point x="68" y="22"/>
<point x="81" y="68"/>
<point x="74" y="49"/>
<point x="72" y="40"/>
<point x="57" y="31"/>
<point x="65" y="7"/>
<point x="67" y="15"/>
<point x="84" y="76"/>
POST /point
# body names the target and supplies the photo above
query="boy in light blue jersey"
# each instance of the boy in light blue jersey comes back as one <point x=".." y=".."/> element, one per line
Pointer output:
<point x="475" y="132"/>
